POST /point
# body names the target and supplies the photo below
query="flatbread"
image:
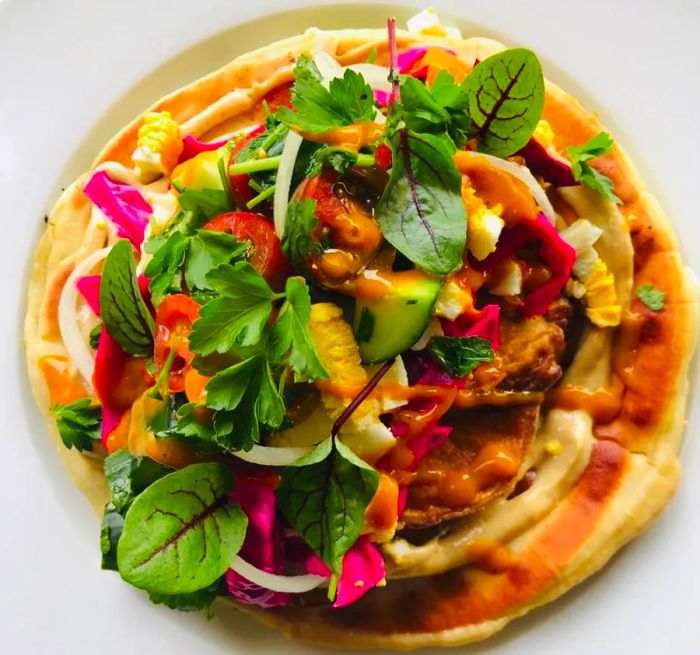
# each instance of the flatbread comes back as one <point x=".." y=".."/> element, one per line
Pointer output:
<point x="608" y="480"/>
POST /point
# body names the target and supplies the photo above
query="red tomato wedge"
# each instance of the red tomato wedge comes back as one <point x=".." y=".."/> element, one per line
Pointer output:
<point x="266" y="255"/>
<point x="174" y="318"/>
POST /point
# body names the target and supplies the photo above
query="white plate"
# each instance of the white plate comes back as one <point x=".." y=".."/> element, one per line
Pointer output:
<point x="71" y="73"/>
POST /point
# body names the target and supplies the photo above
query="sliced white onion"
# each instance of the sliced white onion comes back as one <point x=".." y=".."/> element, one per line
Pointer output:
<point x="272" y="455"/>
<point x="525" y="176"/>
<point x="376" y="76"/>
<point x="78" y="351"/>
<point x="328" y="67"/>
<point x="290" y="584"/>
<point x="284" y="180"/>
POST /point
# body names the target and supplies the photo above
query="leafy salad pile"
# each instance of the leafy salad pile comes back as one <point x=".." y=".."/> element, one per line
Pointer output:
<point x="205" y="344"/>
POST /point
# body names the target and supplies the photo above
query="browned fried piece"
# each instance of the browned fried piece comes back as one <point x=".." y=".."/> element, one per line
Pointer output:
<point x="479" y="462"/>
<point x="530" y="350"/>
<point x="483" y="457"/>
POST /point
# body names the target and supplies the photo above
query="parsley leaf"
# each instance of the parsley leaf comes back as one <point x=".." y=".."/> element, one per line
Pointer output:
<point x="127" y="476"/>
<point x="291" y="333"/>
<point x="199" y="254"/>
<point x="597" y="146"/>
<point x="246" y="397"/>
<point x="193" y="423"/>
<point x="204" y="204"/>
<point x="347" y="100"/>
<point x="238" y="316"/>
<point x="297" y="242"/>
<point x="124" y="313"/>
<point x="437" y="109"/>
<point x="652" y="297"/>
<point x="164" y="269"/>
<point x="78" y="423"/>
<point x="459" y="356"/>
<point x="324" y="495"/>
<point x="207" y="250"/>
<point x="340" y="160"/>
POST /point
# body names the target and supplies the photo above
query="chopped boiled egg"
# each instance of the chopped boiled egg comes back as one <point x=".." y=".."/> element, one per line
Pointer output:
<point x="485" y="228"/>
<point x="427" y="23"/>
<point x="158" y="146"/>
<point x="598" y="283"/>
<point x="452" y="301"/>
<point x="506" y="278"/>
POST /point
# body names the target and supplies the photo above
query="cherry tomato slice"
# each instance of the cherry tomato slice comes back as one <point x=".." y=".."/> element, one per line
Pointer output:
<point x="266" y="256"/>
<point x="354" y="235"/>
<point x="174" y="318"/>
<point x="239" y="184"/>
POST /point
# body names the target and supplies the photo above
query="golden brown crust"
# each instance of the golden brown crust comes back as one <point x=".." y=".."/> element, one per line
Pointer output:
<point x="633" y="468"/>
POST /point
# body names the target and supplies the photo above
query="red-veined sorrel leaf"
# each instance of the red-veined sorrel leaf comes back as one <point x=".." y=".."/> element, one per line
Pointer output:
<point x="421" y="212"/>
<point x="181" y="533"/>
<point x="506" y="98"/>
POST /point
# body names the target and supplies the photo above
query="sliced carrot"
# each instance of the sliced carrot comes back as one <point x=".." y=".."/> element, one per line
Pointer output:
<point x="437" y="59"/>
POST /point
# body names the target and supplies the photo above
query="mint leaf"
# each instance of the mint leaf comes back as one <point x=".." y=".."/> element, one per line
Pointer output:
<point x="290" y="334"/>
<point x="506" y="98"/>
<point x="297" y="242"/>
<point x="207" y="250"/>
<point x="79" y="423"/>
<point x="238" y="316"/>
<point x="181" y="534"/>
<point x="597" y="146"/>
<point x="124" y="313"/>
<point x="127" y="476"/>
<point x="195" y="601"/>
<point x="653" y="298"/>
<point x="459" y="356"/>
<point x="347" y="100"/>
<point x="246" y="397"/>
<point x="421" y="212"/>
<point x="324" y="495"/>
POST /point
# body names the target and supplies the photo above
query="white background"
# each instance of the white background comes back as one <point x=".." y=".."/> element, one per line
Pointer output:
<point x="64" y="64"/>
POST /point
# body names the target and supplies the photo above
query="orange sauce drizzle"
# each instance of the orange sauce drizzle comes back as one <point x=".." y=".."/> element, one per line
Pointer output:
<point x="492" y="465"/>
<point x="350" y="137"/>
<point x="62" y="383"/>
<point x="602" y="404"/>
